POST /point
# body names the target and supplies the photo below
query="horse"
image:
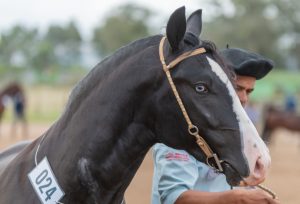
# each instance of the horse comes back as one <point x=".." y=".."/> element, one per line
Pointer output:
<point x="15" y="92"/>
<point x="9" y="154"/>
<point x="275" y="118"/>
<point x="171" y="89"/>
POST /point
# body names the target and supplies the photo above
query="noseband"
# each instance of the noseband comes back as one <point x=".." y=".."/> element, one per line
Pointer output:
<point x="192" y="129"/>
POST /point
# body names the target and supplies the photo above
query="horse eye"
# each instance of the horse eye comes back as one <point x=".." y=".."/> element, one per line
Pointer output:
<point x="201" y="88"/>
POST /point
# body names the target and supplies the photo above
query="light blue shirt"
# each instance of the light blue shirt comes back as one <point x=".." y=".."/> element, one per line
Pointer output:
<point x="176" y="171"/>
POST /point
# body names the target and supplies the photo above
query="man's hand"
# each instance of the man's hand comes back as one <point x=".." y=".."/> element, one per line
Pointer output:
<point x="253" y="196"/>
<point x="236" y="196"/>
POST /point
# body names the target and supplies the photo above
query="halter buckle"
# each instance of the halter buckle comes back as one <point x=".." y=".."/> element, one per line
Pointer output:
<point x="217" y="163"/>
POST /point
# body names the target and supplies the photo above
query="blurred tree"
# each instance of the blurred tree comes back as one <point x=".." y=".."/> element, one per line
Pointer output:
<point x="43" y="59"/>
<point x="66" y="43"/>
<point x="16" y="46"/>
<point x="288" y="21"/>
<point x="25" y="51"/>
<point x="125" y="24"/>
<point x="263" y="26"/>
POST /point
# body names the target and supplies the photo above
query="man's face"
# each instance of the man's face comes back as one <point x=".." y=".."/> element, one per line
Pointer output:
<point x="244" y="86"/>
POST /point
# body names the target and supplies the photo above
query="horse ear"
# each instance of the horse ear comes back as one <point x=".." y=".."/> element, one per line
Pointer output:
<point x="194" y="23"/>
<point x="176" y="28"/>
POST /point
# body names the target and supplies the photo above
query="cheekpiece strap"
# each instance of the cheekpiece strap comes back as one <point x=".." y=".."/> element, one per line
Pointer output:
<point x="192" y="129"/>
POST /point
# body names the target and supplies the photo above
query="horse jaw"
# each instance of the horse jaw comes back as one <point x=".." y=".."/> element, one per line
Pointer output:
<point x="255" y="151"/>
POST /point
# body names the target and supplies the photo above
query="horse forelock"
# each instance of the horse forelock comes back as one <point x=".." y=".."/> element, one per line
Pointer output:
<point x="212" y="52"/>
<point x="211" y="49"/>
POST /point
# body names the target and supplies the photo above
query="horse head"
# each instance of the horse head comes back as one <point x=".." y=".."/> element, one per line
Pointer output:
<point x="211" y="107"/>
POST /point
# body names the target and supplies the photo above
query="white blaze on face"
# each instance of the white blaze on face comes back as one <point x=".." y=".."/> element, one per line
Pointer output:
<point x="254" y="149"/>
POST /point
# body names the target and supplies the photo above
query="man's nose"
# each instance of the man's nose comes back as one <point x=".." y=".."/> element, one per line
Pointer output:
<point x="243" y="98"/>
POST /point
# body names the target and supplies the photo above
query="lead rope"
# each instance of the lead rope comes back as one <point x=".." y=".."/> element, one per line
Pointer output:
<point x="262" y="187"/>
<point x="267" y="190"/>
<point x="192" y="129"/>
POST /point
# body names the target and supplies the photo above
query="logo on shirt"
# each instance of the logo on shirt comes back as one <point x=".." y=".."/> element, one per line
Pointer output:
<point x="177" y="156"/>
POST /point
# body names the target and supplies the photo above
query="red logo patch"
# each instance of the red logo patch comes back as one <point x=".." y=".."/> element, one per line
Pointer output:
<point x="177" y="156"/>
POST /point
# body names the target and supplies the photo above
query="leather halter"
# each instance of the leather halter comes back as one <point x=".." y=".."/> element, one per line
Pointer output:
<point x="192" y="129"/>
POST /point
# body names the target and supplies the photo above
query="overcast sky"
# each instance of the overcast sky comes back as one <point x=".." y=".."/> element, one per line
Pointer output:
<point x="87" y="13"/>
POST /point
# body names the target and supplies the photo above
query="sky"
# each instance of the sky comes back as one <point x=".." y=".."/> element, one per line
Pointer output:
<point x="87" y="13"/>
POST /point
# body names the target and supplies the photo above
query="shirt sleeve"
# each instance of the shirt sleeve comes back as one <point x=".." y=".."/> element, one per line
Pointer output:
<point x="176" y="172"/>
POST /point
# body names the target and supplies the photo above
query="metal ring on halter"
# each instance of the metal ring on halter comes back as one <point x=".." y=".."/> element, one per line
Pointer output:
<point x="207" y="162"/>
<point x="193" y="130"/>
<point x="217" y="168"/>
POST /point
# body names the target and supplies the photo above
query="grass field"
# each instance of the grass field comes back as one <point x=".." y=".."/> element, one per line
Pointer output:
<point x="46" y="103"/>
<point x="275" y="85"/>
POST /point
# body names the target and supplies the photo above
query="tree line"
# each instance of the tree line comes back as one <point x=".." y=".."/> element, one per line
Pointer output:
<point x="269" y="27"/>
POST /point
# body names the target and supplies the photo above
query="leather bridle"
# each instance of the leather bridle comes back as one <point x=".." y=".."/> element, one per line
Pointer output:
<point x="192" y="129"/>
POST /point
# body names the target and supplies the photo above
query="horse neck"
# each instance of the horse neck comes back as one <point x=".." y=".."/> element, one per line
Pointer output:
<point x="105" y="133"/>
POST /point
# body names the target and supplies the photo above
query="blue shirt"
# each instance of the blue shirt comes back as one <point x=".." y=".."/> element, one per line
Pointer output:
<point x="176" y="171"/>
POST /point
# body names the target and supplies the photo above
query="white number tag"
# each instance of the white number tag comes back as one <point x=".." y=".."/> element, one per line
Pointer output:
<point x="44" y="183"/>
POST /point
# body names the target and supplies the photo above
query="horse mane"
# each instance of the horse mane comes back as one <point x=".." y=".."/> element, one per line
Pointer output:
<point x="211" y="48"/>
<point x="83" y="88"/>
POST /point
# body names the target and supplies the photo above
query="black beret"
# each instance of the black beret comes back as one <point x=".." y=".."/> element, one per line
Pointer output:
<point x="247" y="63"/>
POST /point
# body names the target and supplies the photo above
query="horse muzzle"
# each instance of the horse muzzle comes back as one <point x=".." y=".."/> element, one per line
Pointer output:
<point x="258" y="172"/>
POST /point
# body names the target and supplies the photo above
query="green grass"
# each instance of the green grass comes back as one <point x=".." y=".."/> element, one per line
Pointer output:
<point x="276" y="83"/>
<point x="45" y="104"/>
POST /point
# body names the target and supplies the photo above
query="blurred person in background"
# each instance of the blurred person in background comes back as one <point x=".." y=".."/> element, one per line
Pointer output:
<point x="19" y="113"/>
<point x="290" y="103"/>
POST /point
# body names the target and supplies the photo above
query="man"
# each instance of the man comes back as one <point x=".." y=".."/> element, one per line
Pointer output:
<point x="179" y="178"/>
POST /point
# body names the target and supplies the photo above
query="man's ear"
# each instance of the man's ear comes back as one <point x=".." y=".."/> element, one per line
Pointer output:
<point x="176" y="28"/>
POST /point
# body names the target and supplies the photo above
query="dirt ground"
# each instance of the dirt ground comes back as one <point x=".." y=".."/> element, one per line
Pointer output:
<point x="284" y="178"/>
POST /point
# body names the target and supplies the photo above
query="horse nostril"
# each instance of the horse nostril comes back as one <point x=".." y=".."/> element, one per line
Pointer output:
<point x="259" y="170"/>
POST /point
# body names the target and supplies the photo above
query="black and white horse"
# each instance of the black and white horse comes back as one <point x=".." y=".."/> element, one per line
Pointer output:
<point x="123" y="107"/>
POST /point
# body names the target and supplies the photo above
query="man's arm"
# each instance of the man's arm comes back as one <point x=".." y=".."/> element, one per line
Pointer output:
<point x="175" y="178"/>
<point x="236" y="196"/>
<point x="175" y="172"/>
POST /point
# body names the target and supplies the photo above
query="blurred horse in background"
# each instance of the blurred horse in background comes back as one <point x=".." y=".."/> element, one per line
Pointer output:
<point x="276" y="118"/>
<point x="15" y="93"/>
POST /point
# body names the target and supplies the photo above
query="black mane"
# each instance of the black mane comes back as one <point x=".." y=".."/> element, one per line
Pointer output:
<point x="83" y="88"/>
<point x="212" y="49"/>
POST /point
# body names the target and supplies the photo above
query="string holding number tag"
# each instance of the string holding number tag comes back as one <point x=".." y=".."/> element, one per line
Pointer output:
<point x="45" y="184"/>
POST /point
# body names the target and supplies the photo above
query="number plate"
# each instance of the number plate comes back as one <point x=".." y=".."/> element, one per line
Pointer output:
<point x="44" y="183"/>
